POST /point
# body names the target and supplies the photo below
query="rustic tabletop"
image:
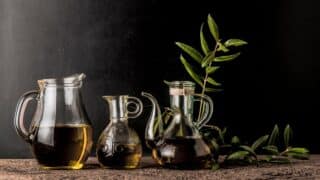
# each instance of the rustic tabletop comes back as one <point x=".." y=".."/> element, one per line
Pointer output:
<point x="28" y="169"/>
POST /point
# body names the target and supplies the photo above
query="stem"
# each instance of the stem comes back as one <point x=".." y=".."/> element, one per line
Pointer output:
<point x="201" y="109"/>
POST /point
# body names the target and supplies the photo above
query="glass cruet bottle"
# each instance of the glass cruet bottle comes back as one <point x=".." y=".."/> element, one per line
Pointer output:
<point x="178" y="143"/>
<point x="119" y="145"/>
<point x="60" y="132"/>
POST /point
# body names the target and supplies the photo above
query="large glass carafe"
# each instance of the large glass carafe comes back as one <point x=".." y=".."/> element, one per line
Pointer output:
<point x="119" y="145"/>
<point x="60" y="133"/>
<point x="178" y="144"/>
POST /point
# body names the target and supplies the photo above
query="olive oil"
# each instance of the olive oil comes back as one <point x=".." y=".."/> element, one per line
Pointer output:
<point x="119" y="156"/>
<point x="62" y="146"/>
<point x="183" y="153"/>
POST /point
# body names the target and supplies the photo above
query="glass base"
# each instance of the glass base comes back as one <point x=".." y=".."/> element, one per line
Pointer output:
<point x="120" y="167"/>
<point x="73" y="167"/>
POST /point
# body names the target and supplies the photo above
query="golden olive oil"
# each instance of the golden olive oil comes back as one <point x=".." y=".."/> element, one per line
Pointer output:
<point x="121" y="156"/>
<point x="62" y="146"/>
<point x="183" y="153"/>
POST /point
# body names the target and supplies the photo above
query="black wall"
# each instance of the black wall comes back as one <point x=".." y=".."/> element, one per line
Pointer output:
<point x="126" y="46"/>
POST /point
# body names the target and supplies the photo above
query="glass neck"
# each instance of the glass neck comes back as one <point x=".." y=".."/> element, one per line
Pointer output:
<point x="69" y="96"/>
<point x="118" y="109"/>
<point x="184" y="103"/>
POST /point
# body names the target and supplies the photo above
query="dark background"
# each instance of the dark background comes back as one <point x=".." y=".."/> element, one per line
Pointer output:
<point x="126" y="46"/>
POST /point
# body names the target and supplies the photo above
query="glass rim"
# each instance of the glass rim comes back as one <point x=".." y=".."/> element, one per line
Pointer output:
<point x="181" y="84"/>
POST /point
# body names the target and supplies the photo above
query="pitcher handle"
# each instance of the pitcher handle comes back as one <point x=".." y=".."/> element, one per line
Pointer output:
<point x="138" y="107"/>
<point x="19" y="114"/>
<point x="208" y="110"/>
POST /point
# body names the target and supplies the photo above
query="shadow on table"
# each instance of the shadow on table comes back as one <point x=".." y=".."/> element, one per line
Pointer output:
<point x="143" y="165"/>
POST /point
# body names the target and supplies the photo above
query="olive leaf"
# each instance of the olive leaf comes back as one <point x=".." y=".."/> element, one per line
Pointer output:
<point x="235" y="42"/>
<point x="287" y="135"/>
<point x="226" y="57"/>
<point x="298" y="150"/>
<point x="167" y="82"/>
<point x="237" y="155"/>
<point x="222" y="48"/>
<point x="259" y="142"/>
<point x="215" y="167"/>
<point x="206" y="61"/>
<point x="214" y="144"/>
<point x="217" y="129"/>
<point x="196" y="55"/>
<point x="224" y="131"/>
<point x="235" y="140"/>
<point x="166" y="117"/>
<point x="213" y="82"/>
<point x="277" y="159"/>
<point x="274" y="135"/>
<point x="190" y="71"/>
<point x="212" y="69"/>
<point x="271" y="149"/>
<point x="299" y="156"/>
<point x="249" y="149"/>
<point x="212" y="90"/>
<point x="298" y="153"/>
<point x="203" y="42"/>
<point x="213" y="27"/>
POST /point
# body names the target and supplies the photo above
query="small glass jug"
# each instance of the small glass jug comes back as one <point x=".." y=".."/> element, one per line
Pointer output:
<point x="60" y="133"/>
<point x="119" y="145"/>
<point x="178" y="143"/>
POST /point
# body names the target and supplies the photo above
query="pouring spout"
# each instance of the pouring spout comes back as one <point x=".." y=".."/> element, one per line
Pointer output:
<point x="154" y="128"/>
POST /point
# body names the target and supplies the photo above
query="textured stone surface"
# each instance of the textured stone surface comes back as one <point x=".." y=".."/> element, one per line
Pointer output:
<point x="28" y="169"/>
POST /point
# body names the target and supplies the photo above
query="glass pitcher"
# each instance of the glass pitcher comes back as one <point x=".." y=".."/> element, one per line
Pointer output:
<point x="119" y="146"/>
<point x="60" y="133"/>
<point x="179" y="144"/>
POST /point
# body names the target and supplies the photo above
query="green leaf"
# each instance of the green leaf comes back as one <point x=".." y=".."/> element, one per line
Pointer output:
<point x="222" y="48"/>
<point x="215" y="167"/>
<point x="238" y="155"/>
<point x="167" y="82"/>
<point x="212" y="90"/>
<point x="196" y="55"/>
<point x="213" y="27"/>
<point x="204" y="44"/>
<point x="207" y="60"/>
<point x="190" y="71"/>
<point x="287" y="135"/>
<point x="213" y="82"/>
<point x="274" y="135"/>
<point x="166" y="116"/>
<point x="298" y="150"/>
<point x="224" y="131"/>
<point x="297" y="153"/>
<point x="235" y="42"/>
<point x="235" y="140"/>
<point x="226" y="58"/>
<point x="214" y="144"/>
<point x="212" y="69"/>
<point x="277" y="159"/>
<point x="259" y="142"/>
<point x="249" y="149"/>
<point x="271" y="149"/>
<point x="298" y="156"/>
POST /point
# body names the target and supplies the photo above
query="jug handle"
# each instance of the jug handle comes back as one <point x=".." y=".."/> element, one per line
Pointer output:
<point x="208" y="111"/>
<point x="138" y="107"/>
<point x="19" y="114"/>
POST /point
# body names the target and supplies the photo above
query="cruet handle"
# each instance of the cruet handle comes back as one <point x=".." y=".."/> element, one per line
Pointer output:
<point x="138" y="107"/>
<point x="19" y="114"/>
<point x="208" y="110"/>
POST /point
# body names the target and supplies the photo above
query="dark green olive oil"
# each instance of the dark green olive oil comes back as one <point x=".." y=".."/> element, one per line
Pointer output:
<point x="183" y="153"/>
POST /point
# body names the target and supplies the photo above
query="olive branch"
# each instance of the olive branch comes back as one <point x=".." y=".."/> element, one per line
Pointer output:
<point x="209" y="60"/>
